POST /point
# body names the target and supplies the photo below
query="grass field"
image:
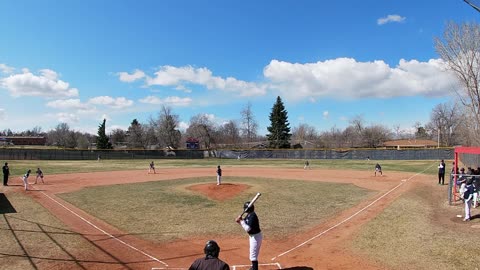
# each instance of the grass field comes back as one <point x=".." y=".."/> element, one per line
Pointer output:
<point x="292" y="206"/>
<point x="18" y="167"/>
<point x="417" y="231"/>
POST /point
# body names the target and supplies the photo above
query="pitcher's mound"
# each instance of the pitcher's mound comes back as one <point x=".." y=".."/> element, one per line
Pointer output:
<point x="219" y="193"/>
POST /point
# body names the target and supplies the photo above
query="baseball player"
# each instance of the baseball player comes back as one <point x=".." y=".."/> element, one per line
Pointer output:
<point x="6" y="173"/>
<point x="468" y="198"/>
<point x="211" y="260"/>
<point x="441" y="172"/>
<point x="251" y="225"/>
<point x="25" y="179"/>
<point x="307" y="165"/>
<point x="378" y="169"/>
<point x="152" y="168"/>
<point x="219" y="175"/>
<point x="39" y="175"/>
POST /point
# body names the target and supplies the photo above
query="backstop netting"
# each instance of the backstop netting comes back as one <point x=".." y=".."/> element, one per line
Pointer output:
<point x="466" y="165"/>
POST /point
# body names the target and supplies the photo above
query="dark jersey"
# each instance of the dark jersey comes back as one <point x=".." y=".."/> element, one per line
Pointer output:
<point x="6" y="170"/>
<point x="252" y="221"/>
<point x="209" y="263"/>
<point x="219" y="172"/>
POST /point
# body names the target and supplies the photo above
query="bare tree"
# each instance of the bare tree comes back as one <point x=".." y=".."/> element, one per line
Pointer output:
<point x="460" y="49"/>
<point x="61" y="136"/>
<point x="305" y="134"/>
<point x="136" y="135"/>
<point x="230" y="134"/>
<point x="166" y="127"/>
<point x="421" y="132"/>
<point x="332" y="138"/>
<point x="444" y="122"/>
<point x="249" y="124"/>
<point x="203" y="129"/>
<point x="375" y="135"/>
<point x="354" y="133"/>
<point x="118" y="136"/>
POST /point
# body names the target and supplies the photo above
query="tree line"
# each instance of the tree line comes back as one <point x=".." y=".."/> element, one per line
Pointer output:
<point x="162" y="131"/>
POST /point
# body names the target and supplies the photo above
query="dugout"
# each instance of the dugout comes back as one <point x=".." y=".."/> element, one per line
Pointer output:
<point x="464" y="157"/>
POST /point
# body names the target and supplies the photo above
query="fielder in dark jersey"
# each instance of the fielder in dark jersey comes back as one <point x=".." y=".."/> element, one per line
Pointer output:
<point x="251" y="225"/>
<point x="211" y="260"/>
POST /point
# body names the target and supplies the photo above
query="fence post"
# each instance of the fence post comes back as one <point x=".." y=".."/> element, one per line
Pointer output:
<point x="450" y="189"/>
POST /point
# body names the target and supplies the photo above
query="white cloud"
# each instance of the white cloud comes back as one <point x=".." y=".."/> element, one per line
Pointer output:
<point x="6" y="69"/>
<point x="2" y="114"/>
<point x="67" y="117"/>
<point x="183" y="125"/>
<point x="49" y="74"/>
<point x="46" y="84"/>
<point x="173" y="101"/>
<point x="391" y="18"/>
<point x="126" y="77"/>
<point x="70" y="104"/>
<point x="104" y="116"/>
<point x="116" y="103"/>
<point x="326" y="114"/>
<point x="178" y="76"/>
<point x="345" y="78"/>
<point x="183" y="88"/>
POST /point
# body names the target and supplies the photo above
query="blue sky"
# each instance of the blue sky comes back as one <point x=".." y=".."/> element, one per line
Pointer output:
<point x="81" y="61"/>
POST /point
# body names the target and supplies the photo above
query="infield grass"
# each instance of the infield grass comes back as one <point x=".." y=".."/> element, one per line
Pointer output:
<point x="165" y="210"/>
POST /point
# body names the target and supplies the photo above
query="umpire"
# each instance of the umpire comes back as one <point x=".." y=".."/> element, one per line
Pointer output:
<point x="6" y="173"/>
<point x="211" y="260"/>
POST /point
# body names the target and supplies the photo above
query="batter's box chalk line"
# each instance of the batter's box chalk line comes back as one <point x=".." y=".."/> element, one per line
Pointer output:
<point x="234" y="267"/>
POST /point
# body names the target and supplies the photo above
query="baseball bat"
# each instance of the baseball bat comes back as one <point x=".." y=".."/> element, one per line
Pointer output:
<point x="251" y="203"/>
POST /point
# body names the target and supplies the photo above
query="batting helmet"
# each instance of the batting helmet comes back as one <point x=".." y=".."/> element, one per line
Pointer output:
<point x="212" y="249"/>
<point x="248" y="209"/>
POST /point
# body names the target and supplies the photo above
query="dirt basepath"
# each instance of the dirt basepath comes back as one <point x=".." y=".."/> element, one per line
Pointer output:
<point x="324" y="247"/>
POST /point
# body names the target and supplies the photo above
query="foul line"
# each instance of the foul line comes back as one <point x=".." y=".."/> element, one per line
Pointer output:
<point x="103" y="231"/>
<point x="352" y="216"/>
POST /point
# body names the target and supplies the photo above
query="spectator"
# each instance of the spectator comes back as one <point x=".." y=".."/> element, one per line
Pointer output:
<point x="211" y="260"/>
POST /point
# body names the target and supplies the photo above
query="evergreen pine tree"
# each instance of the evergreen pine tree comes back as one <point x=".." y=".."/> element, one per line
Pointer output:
<point x="102" y="139"/>
<point x="279" y="130"/>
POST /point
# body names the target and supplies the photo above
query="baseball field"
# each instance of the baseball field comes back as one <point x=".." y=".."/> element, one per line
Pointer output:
<point x="112" y="214"/>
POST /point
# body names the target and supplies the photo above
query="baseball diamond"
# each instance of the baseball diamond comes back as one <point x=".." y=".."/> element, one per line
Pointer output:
<point x="339" y="240"/>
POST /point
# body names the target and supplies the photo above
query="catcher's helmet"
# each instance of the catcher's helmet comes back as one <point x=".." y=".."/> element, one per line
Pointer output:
<point x="212" y="249"/>
<point x="248" y="209"/>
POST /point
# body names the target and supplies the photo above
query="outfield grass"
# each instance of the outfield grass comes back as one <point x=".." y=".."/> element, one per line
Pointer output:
<point x="19" y="167"/>
<point x="165" y="210"/>
<point x="407" y="236"/>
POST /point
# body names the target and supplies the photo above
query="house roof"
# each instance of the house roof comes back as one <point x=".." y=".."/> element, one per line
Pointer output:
<point x="412" y="142"/>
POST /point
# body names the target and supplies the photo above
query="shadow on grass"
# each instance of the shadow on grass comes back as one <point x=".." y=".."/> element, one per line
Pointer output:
<point x="5" y="206"/>
<point x="44" y="229"/>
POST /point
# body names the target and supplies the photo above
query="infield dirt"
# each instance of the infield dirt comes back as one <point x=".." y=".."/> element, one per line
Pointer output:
<point x="326" y="246"/>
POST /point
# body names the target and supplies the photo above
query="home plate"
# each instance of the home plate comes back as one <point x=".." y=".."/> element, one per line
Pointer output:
<point x="234" y="267"/>
<point x="272" y="265"/>
<point x="459" y="215"/>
